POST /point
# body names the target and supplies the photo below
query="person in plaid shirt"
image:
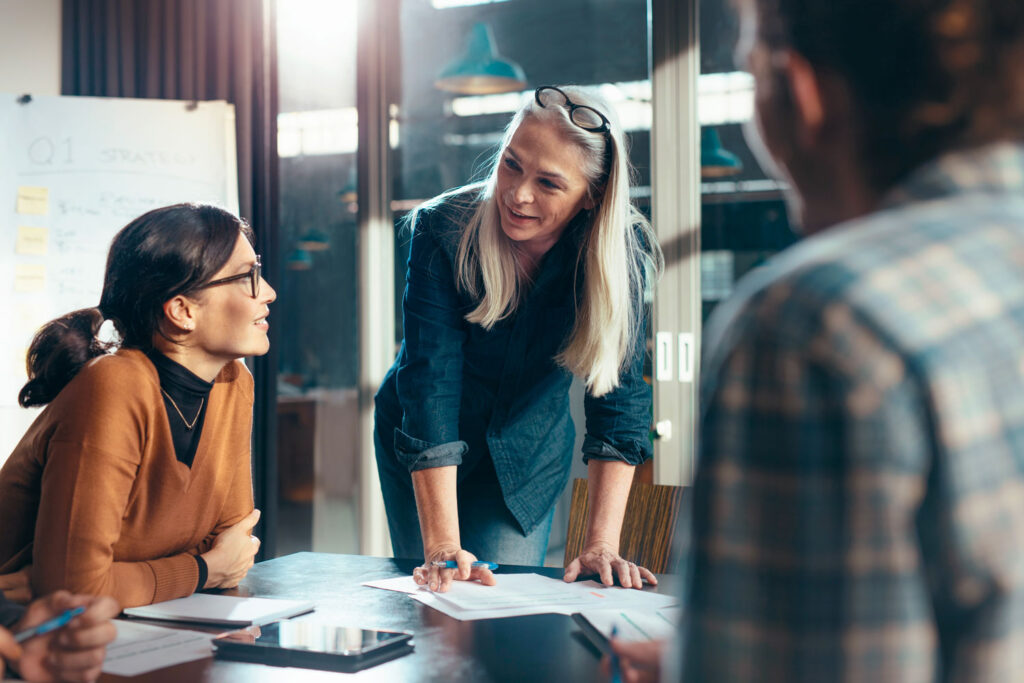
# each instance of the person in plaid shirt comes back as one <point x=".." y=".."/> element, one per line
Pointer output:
<point x="858" y="507"/>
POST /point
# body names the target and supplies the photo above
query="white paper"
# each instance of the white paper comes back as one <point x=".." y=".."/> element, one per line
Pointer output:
<point x="634" y="625"/>
<point x="522" y="594"/>
<point x="139" y="648"/>
<point x="518" y="591"/>
<point x="401" y="584"/>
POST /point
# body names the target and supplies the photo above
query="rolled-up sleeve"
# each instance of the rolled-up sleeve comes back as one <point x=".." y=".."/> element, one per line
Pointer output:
<point x="618" y="423"/>
<point x="421" y="455"/>
<point x="429" y="378"/>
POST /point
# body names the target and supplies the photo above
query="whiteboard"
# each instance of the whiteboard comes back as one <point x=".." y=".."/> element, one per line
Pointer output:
<point x="73" y="171"/>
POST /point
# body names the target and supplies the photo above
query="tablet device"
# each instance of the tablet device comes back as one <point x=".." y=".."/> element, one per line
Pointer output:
<point x="313" y="645"/>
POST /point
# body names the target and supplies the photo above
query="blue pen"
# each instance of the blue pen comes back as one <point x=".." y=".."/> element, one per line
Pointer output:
<point x="49" y="625"/>
<point x="616" y="671"/>
<point x="452" y="564"/>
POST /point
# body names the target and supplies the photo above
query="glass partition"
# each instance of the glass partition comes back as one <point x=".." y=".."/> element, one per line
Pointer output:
<point x="743" y="215"/>
<point x="317" y="303"/>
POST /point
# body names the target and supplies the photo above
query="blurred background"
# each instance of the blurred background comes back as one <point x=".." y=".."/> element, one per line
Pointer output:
<point x="351" y="113"/>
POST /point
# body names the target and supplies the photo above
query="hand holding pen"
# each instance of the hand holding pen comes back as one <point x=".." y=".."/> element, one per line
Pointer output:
<point x="61" y="637"/>
<point x="451" y="563"/>
<point x="616" y="667"/>
<point x="633" y="662"/>
<point x="59" y="621"/>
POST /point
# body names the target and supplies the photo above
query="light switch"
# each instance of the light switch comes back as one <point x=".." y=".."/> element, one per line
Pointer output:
<point x="663" y="356"/>
<point x="686" y="356"/>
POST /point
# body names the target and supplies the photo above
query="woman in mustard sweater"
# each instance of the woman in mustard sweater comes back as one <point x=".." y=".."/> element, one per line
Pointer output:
<point x="135" y="481"/>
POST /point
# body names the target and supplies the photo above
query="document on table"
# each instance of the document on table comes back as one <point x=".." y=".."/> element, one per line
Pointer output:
<point x="521" y="594"/>
<point x="139" y="648"/>
<point x="400" y="584"/>
<point x="632" y="625"/>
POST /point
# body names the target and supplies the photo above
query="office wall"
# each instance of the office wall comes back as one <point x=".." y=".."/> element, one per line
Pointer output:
<point x="29" y="62"/>
<point x="30" y="46"/>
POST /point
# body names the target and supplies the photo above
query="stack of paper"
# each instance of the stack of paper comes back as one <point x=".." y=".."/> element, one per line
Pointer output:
<point x="521" y="594"/>
<point x="140" y="648"/>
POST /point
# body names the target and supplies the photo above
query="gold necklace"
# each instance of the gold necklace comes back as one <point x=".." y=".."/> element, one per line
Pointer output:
<point x="188" y="426"/>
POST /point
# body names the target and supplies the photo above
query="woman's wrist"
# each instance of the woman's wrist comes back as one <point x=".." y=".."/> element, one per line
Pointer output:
<point x="437" y="508"/>
<point x="442" y="547"/>
<point x="598" y="544"/>
<point x="213" y="573"/>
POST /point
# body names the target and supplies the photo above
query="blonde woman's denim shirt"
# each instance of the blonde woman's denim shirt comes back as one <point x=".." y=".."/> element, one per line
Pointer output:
<point x="458" y="392"/>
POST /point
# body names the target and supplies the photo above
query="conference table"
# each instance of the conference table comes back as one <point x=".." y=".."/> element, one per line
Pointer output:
<point x="536" y="648"/>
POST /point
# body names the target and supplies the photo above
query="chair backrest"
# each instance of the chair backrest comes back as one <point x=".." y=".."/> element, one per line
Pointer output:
<point x="648" y="529"/>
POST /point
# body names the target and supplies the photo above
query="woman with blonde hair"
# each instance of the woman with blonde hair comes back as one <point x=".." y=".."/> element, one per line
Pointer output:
<point x="515" y="285"/>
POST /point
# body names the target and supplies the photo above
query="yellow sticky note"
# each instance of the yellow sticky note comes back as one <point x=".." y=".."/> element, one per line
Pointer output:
<point x="35" y="200"/>
<point x="29" y="277"/>
<point x="32" y="241"/>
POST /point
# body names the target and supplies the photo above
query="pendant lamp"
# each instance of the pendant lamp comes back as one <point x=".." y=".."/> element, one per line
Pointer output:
<point x="480" y="70"/>
<point x="715" y="160"/>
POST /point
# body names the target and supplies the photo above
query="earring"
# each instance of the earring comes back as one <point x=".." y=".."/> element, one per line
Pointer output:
<point x="188" y="326"/>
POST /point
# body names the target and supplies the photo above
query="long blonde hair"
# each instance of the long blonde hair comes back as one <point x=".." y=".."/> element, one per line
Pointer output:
<point x="618" y="251"/>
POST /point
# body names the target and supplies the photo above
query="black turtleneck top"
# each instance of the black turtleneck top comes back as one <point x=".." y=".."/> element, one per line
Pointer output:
<point x="186" y="396"/>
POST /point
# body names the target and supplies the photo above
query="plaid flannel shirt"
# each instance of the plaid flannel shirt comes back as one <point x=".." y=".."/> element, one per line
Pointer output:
<point x="859" y="498"/>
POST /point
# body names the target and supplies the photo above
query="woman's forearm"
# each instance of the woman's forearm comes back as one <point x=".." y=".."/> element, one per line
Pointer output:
<point x="437" y="506"/>
<point x="608" y="484"/>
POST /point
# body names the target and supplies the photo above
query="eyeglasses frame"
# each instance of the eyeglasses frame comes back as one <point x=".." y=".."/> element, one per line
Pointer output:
<point x="254" y="274"/>
<point x="605" y="127"/>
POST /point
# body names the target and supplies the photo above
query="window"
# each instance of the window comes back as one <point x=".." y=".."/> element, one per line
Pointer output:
<point x="316" y="306"/>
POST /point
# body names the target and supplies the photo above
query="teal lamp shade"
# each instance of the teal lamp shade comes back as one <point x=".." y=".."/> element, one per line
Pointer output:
<point x="349" y="193"/>
<point x="313" y="240"/>
<point x="715" y="160"/>
<point x="480" y="70"/>
<point x="299" y="259"/>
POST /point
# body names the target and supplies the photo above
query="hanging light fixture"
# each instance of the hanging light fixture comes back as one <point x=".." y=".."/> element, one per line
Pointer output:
<point x="481" y="70"/>
<point x="299" y="259"/>
<point x="715" y="160"/>
<point x="313" y="240"/>
<point x="349" y="193"/>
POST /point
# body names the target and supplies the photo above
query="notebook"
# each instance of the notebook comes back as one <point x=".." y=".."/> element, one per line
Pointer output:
<point x="203" y="608"/>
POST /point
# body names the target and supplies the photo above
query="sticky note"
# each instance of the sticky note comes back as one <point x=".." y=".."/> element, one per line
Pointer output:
<point x="32" y="241"/>
<point x="34" y="200"/>
<point x="29" y="277"/>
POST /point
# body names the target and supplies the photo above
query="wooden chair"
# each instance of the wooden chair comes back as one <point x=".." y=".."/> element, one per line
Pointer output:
<point x="648" y="530"/>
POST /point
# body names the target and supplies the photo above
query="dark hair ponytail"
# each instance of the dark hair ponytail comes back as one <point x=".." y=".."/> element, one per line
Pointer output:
<point x="58" y="352"/>
<point x="159" y="255"/>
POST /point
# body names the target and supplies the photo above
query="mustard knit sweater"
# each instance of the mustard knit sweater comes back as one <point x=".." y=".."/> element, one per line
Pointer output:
<point x="95" y="500"/>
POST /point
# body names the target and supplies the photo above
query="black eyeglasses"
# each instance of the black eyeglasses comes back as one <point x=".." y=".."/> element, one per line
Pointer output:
<point x="583" y="116"/>
<point x="253" y="275"/>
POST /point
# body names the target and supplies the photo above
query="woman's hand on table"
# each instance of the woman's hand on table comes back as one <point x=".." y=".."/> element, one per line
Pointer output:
<point x="232" y="554"/>
<point x="439" y="579"/>
<point x="607" y="564"/>
<point x="16" y="586"/>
